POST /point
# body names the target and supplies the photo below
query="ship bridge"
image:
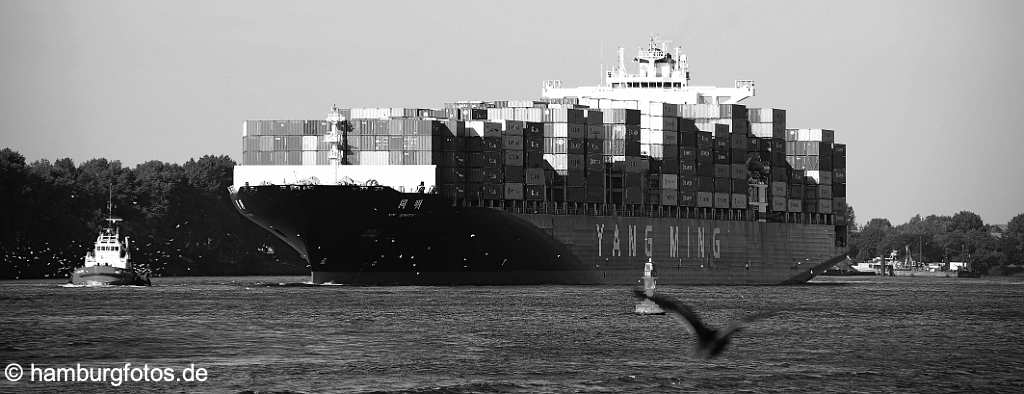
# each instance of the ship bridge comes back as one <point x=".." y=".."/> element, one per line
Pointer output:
<point x="660" y="76"/>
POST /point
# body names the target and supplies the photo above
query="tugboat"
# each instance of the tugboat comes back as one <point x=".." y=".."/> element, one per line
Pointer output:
<point x="109" y="263"/>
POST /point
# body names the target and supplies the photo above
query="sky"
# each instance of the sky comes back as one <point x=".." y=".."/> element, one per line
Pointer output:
<point x="925" y="93"/>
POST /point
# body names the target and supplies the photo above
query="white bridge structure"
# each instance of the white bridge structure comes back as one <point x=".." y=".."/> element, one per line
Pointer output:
<point x="661" y="77"/>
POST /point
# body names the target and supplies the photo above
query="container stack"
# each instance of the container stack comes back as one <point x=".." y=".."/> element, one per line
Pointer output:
<point x="594" y="181"/>
<point x="484" y="145"/>
<point x="779" y="176"/>
<point x="688" y="163"/>
<point x="659" y="141"/>
<point x="283" y="142"/>
<point x="839" y="193"/>
<point x="705" y="169"/>
<point x="452" y="168"/>
<point x="727" y="124"/>
<point x="534" y="176"/>
<point x="626" y="172"/>
<point x="565" y="133"/>
<point x="810" y="150"/>
<point x="698" y="155"/>
<point x="767" y="122"/>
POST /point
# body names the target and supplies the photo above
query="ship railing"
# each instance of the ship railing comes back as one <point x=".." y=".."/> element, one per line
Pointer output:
<point x="645" y="210"/>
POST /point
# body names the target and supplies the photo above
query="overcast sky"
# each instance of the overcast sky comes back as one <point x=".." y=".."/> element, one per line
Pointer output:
<point x="926" y="93"/>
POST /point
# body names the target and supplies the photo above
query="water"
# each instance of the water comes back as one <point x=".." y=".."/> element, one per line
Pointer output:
<point x="278" y="335"/>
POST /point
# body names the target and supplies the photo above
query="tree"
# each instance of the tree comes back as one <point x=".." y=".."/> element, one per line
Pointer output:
<point x="870" y="240"/>
<point x="1012" y="242"/>
<point x="180" y="218"/>
<point x="967" y="221"/>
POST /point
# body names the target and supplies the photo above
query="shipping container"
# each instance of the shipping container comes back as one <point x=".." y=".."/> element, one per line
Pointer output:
<point x="620" y="116"/>
<point x="479" y="128"/>
<point x="778" y="189"/>
<point x="722" y="200"/>
<point x="777" y="204"/>
<point x="838" y="190"/>
<point x="723" y="170"/>
<point x="738" y="171"/>
<point x="705" y="199"/>
<point x="738" y="201"/>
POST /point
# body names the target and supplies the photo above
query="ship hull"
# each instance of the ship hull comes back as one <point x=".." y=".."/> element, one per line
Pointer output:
<point x="356" y="235"/>
<point x="99" y="275"/>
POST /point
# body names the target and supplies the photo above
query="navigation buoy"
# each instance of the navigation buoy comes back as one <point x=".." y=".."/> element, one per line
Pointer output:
<point x="646" y="306"/>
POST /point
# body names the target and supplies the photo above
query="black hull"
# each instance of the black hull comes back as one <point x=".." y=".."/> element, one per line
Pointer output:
<point x="107" y="276"/>
<point x="359" y="235"/>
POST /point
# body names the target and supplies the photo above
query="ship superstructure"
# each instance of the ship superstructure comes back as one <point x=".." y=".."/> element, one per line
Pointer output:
<point x="660" y="77"/>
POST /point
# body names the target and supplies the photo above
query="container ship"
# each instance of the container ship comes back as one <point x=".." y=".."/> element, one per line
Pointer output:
<point x="584" y="185"/>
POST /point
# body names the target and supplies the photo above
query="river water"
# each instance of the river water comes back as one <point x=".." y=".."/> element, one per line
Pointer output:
<point x="276" y="334"/>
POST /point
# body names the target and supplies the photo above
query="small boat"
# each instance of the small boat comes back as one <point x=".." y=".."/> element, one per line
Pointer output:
<point x="646" y="306"/>
<point x="109" y="263"/>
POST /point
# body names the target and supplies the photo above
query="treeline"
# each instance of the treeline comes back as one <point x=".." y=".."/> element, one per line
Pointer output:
<point x="961" y="237"/>
<point x="179" y="217"/>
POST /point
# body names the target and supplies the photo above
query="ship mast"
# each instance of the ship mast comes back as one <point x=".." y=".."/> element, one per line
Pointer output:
<point x="110" y="208"/>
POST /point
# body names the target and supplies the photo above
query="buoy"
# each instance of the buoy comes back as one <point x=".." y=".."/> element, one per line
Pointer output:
<point x="646" y="306"/>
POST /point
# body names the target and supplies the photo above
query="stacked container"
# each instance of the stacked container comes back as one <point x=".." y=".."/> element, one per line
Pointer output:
<point x="565" y="133"/>
<point x="810" y="150"/>
<point x="551" y="150"/>
<point x="689" y="164"/>
<point x="283" y="142"/>
<point x="839" y="193"/>
<point x="621" y="153"/>
<point x="767" y="122"/>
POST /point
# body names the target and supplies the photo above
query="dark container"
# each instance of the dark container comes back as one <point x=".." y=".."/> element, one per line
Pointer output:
<point x="688" y="139"/>
<point x="513" y="174"/>
<point x="839" y="175"/>
<point x="838" y="162"/>
<point x="704" y="140"/>
<point x="512" y="158"/>
<point x="533" y="159"/>
<point x="493" y="175"/>
<point x="738" y="156"/>
<point x="723" y="185"/>
<point x="838" y="190"/>
<point x="720" y="144"/>
<point x="493" y="159"/>
<point x="722" y="157"/>
<point x="533" y="192"/>
<point x="687" y="198"/>
<point x="688" y="183"/>
<point x="477" y="160"/>
<point x="491" y="144"/>
<point x="474" y="144"/>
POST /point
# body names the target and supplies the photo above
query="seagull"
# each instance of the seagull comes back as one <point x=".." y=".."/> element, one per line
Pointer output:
<point x="710" y="341"/>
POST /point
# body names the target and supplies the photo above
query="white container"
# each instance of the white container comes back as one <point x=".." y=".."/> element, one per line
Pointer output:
<point x="816" y="135"/>
<point x="373" y="158"/>
<point x="308" y="143"/>
<point x="309" y="158"/>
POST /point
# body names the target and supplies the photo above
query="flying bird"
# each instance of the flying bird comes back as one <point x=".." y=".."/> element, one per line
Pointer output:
<point x="710" y="341"/>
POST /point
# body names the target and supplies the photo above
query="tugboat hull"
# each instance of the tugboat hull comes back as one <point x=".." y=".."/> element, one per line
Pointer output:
<point x="107" y="276"/>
